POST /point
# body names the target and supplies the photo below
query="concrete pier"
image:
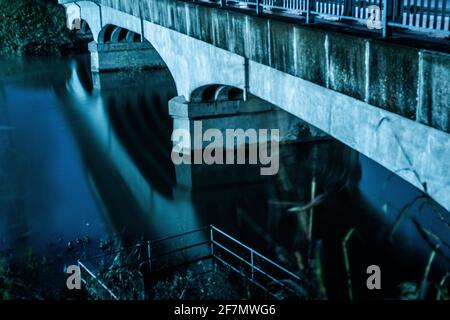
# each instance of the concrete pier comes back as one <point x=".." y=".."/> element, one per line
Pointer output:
<point x="251" y="115"/>
<point x="238" y="114"/>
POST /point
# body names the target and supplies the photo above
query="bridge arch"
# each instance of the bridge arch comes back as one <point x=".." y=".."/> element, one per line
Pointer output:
<point x="84" y="27"/>
<point x="114" y="34"/>
<point x="192" y="64"/>
<point x="83" y="30"/>
<point x="216" y="93"/>
<point x="87" y="11"/>
<point x="195" y="64"/>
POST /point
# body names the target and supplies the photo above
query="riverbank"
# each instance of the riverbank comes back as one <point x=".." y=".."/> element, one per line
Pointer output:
<point x="35" y="27"/>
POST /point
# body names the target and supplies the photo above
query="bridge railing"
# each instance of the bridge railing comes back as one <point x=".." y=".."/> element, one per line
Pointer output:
<point x="263" y="272"/>
<point x="183" y="249"/>
<point x="419" y="15"/>
<point x="432" y="16"/>
<point x="429" y="16"/>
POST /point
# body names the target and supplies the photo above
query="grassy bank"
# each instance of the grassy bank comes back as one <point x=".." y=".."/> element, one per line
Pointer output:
<point x="32" y="27"/>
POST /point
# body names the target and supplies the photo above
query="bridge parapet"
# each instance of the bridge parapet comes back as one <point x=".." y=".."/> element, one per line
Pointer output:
<point x="393" y="77"/>
<point x="388" y="101"/>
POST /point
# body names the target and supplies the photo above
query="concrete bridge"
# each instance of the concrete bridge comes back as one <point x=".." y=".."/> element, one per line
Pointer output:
<point x="390" y="102"/>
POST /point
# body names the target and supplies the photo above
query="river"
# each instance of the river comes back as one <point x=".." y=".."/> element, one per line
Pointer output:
<point x="84" y="157"/>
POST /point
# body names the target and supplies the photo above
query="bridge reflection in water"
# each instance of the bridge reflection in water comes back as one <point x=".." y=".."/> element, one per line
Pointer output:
<point x="125" y="140"/>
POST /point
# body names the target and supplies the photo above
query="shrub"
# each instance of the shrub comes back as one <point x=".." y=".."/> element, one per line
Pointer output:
<point x="33" y="27"/>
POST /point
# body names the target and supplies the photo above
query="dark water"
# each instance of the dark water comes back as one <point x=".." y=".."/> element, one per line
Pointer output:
<point x="88" y="156"/>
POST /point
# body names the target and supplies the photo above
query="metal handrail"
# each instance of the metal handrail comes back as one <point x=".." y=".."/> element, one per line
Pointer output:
<point x="113" y="252"/>
<point x="153" y="257"/>
<point x="230" y="252"/>
<point x="255" y="252"/>
<point x="416" y="15"/>
<point x="250" y="263"/>
<point x="252" y="266"/>
<point x="213" y="253"/>
<point x="239" y="272"/>
<point x="98" y="280"/>
<point x="180" y="235"/>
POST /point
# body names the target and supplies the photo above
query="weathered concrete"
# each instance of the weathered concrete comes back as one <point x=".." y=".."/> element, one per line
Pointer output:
<point x="232" y="114"/>
<point x="252" y="114"/>
<point x="393" y="78"/>
<point x="385" y="75"/>
<point x="372" y="96"/>
<point x="434" y="102"/>
<point x="414" y="151"/>
<point x="123" y="55"/>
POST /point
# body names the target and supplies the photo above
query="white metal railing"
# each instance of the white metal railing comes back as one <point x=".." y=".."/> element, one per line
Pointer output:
<point x="249" y="262"/>
<point x="217" y="250"/>
<point x="429" y="16"/>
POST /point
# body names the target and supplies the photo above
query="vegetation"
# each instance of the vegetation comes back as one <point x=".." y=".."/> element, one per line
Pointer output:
<point x="128" y="279"/>
<point x="31" y="27"/>
<point x="8" y="284"/>
<point x="16" y="284"/>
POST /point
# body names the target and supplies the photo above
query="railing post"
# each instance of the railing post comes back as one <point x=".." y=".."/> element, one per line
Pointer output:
<point x="211" y="239"/>
<point x="79" y="268"/>
<point x="223" y="3"/>
<point x="309" y="17"/>
<point x="257" y="6"/>
<point x="385" y="26"/>
<point x="252" y="265"/>
<point x="149" y="256"/>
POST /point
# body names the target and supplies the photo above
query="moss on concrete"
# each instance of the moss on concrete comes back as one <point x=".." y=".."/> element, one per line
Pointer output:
<point x="393" y="77"/>
<point x="347" y="69"/>
<point x="434" y="102"/>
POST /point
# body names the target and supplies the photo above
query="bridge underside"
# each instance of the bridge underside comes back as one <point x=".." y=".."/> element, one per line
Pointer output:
<point x="388" y="102"/>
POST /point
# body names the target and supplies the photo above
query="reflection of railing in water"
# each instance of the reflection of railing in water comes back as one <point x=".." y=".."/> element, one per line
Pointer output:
<point x="221" y="247"/>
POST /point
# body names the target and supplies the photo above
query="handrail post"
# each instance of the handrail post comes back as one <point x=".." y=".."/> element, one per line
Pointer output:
<point x="309" y="17"/>
<point x="257" y="6"/>
<point x="211" y="239"/>
<point x="79" y="268"/>
<point x="223" y="3"/>
<point x="385" y="26"/>
<point x="252" y="264"/>
<point x="149" y="256"/>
